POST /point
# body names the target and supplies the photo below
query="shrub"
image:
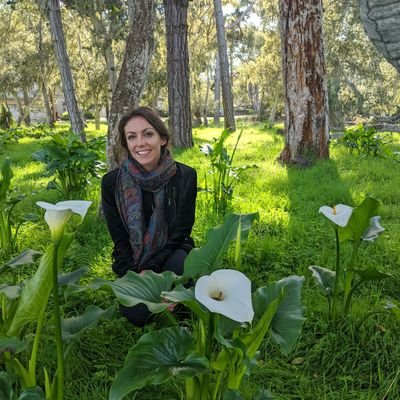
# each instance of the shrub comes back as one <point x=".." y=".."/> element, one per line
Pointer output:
<point x="65" y="116"/>
<point x="6" y="118"/>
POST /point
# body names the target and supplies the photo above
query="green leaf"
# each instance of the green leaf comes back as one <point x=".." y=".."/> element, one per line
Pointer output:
<point x="74" y="327"/>
<point x="263" y="394"/>
<point x="11" y="292"/>
<point x="6" y="392"/>
<point x="28" y="256"/>
<point x="288" y="320"/>
<point x="13" y="345"/>
<point x="204" y="260"/>
<point x="7" y="174"/>
<point x="325" y="279"/>
<point x="36" y="292"/>
<point x="231" y="394"/>
<point x="186" y="296"/>
<point x="134" y="289"/>
<point x="371" y="274"/>
<point x="32" y="393"/>
<point x="359" y="220"/>
<point x="71" y="277"/>
<point x="157" y="357"/>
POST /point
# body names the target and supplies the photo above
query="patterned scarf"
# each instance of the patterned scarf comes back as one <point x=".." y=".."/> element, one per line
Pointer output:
<point x="132" y="180"/>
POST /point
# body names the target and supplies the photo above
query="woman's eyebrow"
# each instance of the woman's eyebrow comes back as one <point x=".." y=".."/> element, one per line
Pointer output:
<point x="143" y="131"/>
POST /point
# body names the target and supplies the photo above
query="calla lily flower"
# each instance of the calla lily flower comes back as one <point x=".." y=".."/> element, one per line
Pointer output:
<point x="374" y="229"/>
<point x="226" y="292"/>
<point x="57" y="215"/>
<point x="339" y="215"/>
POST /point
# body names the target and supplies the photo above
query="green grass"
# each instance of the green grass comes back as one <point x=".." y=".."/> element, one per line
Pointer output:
<point x="329" y="361"/>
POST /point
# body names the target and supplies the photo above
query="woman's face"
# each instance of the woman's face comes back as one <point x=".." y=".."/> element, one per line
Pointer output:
<point x="144" y="142"/>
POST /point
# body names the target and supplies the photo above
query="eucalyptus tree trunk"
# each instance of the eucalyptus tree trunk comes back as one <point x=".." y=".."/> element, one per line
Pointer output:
<point x="227" y="97"/>
<point x="306" y="104"/>
<point x="180" y="119"/>
<point x="133" y="74"/>
<point x="52" y="8"/>
<point x="217" y="92"/>
<point x="381" y="20"/>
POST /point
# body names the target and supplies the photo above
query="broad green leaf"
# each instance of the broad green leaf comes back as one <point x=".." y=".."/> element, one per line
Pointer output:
<point x="36" y="292"/>
<point x="157" y="357"/>
<point x="325" y="279"/>
<point x="371" y="274"/>
<point x="13" y="345"/>
<point x="28" y="256"/>
<point x="6" y="176"/>
<point x="359" y="220"/>
<point x="393" y="309"/>
<point x="288" y="320"/>
<point x="204" y="260"/>
<point x="32" y="393"/>
<point x="71" y="277"/>
<point x="263" y="394"/>
<point x="134" y="289"/>
<point x="186" y="296"/>
<point x="11" y="292"/>
<point x="231" y="394"/>
<point x="6" y="392"/>
<point x="73" y="327"/>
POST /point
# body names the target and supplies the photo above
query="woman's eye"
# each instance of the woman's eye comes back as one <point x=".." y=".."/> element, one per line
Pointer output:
<point x="131" y="137"/>
<point x="149" y="134"/>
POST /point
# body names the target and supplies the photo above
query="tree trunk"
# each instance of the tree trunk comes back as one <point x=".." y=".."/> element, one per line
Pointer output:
<point x="205" y="108"/>
<point x="57" y="34"/>
<point x="26" y="117"/>
<point x="306" y="105"/>
<point x="217" y="92"/>
<point x="381" y="20"/>
<point x="131" y="80"/>
<point x="227" y="97"/>
<point x="180" y="119"/>
<point x="49" y="114"/>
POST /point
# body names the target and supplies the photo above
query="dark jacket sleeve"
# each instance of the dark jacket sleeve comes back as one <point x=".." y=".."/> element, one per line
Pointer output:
<point x="181" y="208"/>
<point x="122" y="254"/>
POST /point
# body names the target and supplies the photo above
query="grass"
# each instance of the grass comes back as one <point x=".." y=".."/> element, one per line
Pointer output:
<point x="340" y="361"/>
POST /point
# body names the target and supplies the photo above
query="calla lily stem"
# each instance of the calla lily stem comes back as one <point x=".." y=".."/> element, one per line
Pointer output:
<point x="57" y="324"/>
<point x="337" y="278"/>
<point x="348" y="290"/>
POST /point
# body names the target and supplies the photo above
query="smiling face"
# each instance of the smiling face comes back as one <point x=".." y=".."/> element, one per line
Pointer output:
<point x="144" y="142"/>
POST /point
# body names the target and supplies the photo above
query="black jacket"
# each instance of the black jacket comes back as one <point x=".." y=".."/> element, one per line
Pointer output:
<point x="180" y="199"/>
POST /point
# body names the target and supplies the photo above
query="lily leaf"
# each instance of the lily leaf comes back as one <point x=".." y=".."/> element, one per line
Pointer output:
<point x="134" y="289"/>
<point x="371" y="274"/>
<point x="359" y="220"/>
<point x="74" y="327"/>
<point x="7" y="175"/>
<point x="13" y="345"/>
<point x="231" y="394"/>
<point x="36" y="292"/>
<point x="71" y="277"/>
<point x="393" y="309"/>
<point x="32" y="393"/>
<point x="28" y="256"/>
<point x="6" y="392"/>
<point x="263" y="394"/>
<point x="157" y="357"/>
<point x="288" y="319"/>
<point x="186" y="296"/>
<point x="11" y="292"/>
<point x="204" y="260"/>
<point x="325" y="279"/>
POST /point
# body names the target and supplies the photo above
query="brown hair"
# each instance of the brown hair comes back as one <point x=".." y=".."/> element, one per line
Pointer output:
<point x="151" y="116"/>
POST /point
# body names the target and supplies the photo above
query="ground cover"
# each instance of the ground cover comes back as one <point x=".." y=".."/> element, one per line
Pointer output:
<point x="347" y="359"/>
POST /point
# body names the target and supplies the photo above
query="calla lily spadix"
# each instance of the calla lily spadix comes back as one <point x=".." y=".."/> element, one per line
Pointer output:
<point x="339" y="215"/>
<point x="226" y="292"/>
<point x="374" y="229"/>
<point x="57" y="215"/>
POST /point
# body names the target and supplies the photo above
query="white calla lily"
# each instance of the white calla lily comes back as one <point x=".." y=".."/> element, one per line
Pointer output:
<point x="374" y="229"/>
<point x="339" y="215"/>
<point x="226" y="292"/>
<point x="57" y="215"/>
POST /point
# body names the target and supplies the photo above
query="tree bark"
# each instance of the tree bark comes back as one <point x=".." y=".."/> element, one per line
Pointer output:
<point x="133" y="74"/>
<point x="217" y="92"/>
<point x="57" y="34"/>
<point x="227" y="97"/>
<point x="381" y="20"/>
<point x="180" y="119"/>
<point x="306" y="104"/>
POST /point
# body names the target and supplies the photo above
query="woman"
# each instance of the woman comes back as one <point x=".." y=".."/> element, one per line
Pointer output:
<point x="149" y="203"/>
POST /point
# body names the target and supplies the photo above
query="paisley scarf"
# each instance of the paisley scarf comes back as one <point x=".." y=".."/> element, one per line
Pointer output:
<point x="133" y="178"/>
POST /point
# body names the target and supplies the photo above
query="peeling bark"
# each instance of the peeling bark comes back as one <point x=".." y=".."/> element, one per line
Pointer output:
<point x="306" y="104"/>
<point x="180" y="119"/>
<point x="132" y="78"/>
<point x="381" y="21"/>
